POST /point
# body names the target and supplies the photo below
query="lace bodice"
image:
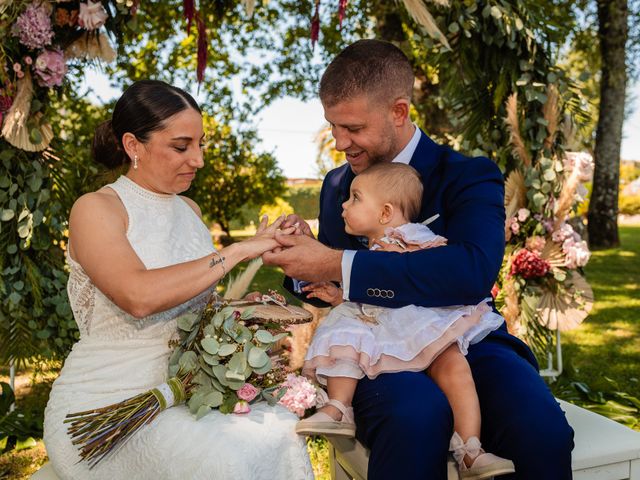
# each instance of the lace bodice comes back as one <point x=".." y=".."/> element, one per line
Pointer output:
<point x="163" y="230"/>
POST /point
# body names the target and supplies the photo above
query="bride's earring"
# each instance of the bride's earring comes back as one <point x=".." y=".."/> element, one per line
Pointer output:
<point x="135" y="162"/>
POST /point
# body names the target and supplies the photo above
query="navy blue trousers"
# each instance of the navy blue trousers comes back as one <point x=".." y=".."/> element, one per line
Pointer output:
<point x="406" y="422"/>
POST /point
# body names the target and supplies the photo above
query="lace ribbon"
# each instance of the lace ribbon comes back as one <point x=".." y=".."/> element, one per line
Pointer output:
<point x="170" y="393"/>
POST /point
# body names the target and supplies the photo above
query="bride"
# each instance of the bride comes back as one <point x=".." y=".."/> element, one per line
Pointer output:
<point x="140" y="256"/>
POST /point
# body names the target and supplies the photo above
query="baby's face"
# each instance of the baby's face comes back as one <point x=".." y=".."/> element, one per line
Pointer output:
<point x="362" y="211"/>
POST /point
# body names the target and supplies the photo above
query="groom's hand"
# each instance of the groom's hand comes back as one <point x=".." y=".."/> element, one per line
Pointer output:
<point x="305" y="258"/>
<point x="302" y="226"/>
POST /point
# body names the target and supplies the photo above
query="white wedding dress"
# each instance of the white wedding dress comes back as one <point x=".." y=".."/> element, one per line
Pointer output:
<point x="119" y="356"/>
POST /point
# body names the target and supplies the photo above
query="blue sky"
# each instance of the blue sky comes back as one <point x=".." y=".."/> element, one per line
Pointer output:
<point x="288" y="127"/>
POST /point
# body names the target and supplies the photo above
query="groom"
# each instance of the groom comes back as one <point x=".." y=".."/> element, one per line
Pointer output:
<point x="403" y="418"/>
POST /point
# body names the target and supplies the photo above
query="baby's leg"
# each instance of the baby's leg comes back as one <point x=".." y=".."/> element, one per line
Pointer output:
<point x="335" y="418"/>
<point x="451" y="372"/>
<point x="341" y="389"/>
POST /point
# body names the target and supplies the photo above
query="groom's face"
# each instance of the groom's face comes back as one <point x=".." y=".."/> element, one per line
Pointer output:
<point x="364" y="130"/>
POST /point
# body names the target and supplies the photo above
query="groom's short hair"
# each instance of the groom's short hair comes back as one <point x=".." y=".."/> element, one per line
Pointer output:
<point x="375" y="68"/>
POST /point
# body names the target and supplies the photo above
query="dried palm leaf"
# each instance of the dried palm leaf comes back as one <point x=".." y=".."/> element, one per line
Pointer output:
<point x="419" y="12"/>
<point x="91" y="47"/>
<point x="515" y="193"/>
<point x="566" y="310"/>
<point x="238" y="285"/>
<point x="519" y="148"/>
<point x="511" y="310"/>
<point x="550" y="112"/>
<point x="553" y="254"/>
<point x="249" y="6"/>
<point x="515" y="197"/>
<point x="15" y="129"/>
<point x="567" y="196"/>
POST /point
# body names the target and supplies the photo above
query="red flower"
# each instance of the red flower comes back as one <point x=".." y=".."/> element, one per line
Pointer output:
<point x="5" y="103"/>
<point x="315" y="25"/>
<point x="528" y="264"/>
<point x="495" y="290"/>
<point x="342" y="11"/>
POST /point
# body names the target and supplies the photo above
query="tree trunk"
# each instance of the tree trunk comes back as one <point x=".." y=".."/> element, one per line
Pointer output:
<point x="603" y="206"/>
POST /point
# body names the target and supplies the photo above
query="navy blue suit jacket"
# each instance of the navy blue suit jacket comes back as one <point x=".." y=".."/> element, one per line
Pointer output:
<point x="468" y="194"/>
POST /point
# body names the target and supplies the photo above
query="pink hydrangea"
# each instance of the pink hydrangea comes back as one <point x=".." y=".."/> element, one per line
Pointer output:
<point x="535" y="243"/>
<point x="33" y="27"/>
<point x="248" y="392"/>
<point x="565" y="231"/>
<point x="583" y="161"/>
<point x="576" y="253"/>
<point x="50" y="68"/>
<point x="300" y="394"/>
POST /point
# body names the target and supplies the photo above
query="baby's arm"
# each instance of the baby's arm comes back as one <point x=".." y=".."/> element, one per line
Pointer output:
<point x="325" y="291"/>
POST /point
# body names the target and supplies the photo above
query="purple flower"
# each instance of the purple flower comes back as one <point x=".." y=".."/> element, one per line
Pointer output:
<point x="33" y="27"/>
<point x="50" y="68"/>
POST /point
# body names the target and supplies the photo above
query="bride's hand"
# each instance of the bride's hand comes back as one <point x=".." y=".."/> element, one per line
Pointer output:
<point x="264" y="239"/>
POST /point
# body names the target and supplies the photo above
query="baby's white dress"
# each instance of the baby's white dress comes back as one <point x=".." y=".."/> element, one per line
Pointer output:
<point x="357" y="339"/>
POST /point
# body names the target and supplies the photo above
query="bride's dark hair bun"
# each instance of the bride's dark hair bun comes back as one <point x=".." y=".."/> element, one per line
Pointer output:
<point x="141" y="110"/>
<point x="107" y="149"/>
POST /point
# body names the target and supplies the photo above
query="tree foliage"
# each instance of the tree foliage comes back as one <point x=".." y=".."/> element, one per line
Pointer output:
<point x="233" y="175"/>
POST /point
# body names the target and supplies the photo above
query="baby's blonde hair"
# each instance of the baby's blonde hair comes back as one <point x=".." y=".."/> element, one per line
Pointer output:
<point x="398" y="184"/>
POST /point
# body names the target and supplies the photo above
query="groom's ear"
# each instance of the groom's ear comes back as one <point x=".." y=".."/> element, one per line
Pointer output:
<point x="400" y="111"/>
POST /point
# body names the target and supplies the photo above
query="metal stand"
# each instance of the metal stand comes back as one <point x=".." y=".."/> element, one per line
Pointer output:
<point x="552" y="371"/>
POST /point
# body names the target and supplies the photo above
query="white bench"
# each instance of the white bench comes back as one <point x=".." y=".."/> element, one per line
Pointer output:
<point x="604" y="450"/>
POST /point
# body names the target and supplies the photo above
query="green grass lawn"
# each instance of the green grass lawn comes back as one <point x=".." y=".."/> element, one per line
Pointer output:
<point x="608" y="342"/>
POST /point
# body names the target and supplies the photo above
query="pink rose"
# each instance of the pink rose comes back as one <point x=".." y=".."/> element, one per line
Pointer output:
<point x="241" y="407"/>
<point x="523" y="214"/>
<point x="248" y="392"/>
<point x="515" y="226"/>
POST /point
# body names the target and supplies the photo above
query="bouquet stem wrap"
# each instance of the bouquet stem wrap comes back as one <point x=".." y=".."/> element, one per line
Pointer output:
<point x="170" y="393"/>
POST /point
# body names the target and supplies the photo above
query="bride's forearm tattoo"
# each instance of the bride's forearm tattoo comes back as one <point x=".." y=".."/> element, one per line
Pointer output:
<point x="218" y="259"/>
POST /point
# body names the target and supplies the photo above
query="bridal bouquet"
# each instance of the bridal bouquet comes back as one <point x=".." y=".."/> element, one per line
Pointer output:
<point x="222" y="361"/>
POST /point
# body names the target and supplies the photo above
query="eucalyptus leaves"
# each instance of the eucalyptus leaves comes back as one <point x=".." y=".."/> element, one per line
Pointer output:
<point x="221" y="361"/>
<point x="222" y="351"/>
